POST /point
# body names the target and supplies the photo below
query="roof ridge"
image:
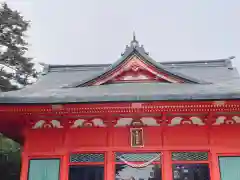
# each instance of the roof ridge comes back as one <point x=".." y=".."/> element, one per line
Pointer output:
<point x="163" y="63"/>
<point x="196" y="61"/>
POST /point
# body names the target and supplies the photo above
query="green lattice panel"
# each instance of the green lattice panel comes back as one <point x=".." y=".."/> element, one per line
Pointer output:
<point x="94" y="157"/>
<point x="189" y="156"/>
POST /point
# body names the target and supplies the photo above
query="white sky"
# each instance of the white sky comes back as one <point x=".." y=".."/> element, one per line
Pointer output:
<point x="97" y="31"/>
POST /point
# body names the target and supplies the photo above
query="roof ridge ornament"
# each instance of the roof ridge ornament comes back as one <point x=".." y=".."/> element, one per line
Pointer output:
<point x="134" y="42"/>
<point x="231" y="57"/>
<point x="134" y="36"/>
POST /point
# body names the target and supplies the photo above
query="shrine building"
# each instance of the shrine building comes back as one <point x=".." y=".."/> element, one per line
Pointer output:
<point x="135" y="119"/>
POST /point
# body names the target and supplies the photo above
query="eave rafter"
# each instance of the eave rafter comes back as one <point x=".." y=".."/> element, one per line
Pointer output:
<point x="125" y="108"/>
<point x="134" y="120"/>
<point x="109" y="114"/>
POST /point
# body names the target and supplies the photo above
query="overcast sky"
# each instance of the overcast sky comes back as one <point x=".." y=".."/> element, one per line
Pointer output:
<point x="97" y="31"/>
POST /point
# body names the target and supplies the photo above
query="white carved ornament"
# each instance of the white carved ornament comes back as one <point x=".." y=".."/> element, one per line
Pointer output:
<point x="192" y="120"/>
<point x="220" y="120"/>
<point x="144" y="121"/>
<point x="225" y="120"/>
<point x="44" y="124"/>
<point x="88" y="123"/>
<point x="135" y="78"/>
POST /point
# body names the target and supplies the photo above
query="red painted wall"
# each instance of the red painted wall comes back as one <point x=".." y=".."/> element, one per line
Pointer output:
<point x="222" y="139"/>
<point x="49" y="143"/>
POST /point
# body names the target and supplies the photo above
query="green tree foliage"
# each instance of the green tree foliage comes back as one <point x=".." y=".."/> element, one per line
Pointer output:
<point x="15" y="67"/>
<point x="15" y="71"/>
<point x="10" y="159"/>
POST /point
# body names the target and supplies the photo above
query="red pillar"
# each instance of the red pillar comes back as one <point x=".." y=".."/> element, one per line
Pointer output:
<point x="109" y="162"/>
<point x="166" y="165"/>
<point x="109" y="172"/>
<point x="24" y="168"/>
<point x="215" y="173"/>
<point x="64" y="168"/>
<point x="24" y="157"/>
<point x="214" y="165"/>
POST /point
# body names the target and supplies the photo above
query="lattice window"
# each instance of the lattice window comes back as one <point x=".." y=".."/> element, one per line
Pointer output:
<point x="94" y="157"/>
<point x="138" y="157"/>
<point x="189" y="156"/>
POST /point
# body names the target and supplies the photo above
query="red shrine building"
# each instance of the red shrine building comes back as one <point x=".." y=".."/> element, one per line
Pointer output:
<point x="135" y="119"/>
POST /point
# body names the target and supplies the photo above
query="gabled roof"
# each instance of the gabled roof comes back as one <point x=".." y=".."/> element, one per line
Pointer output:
<point x="223" y="82"/>
<point x="141" y="58"/>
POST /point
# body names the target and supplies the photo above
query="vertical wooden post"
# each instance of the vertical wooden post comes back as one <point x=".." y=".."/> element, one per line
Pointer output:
<point x="109" y="162"/>
<point x="163" y="123"/>
<point x="209" y="121"/>
<point x="24" y="168"/>
<point x="24" y="155"/>
<point x="64" y="168"/>
<point x="166" y="166"/>
<point x="109" y="165"/>
<point x="166" y="156"/>
<point x="214" y="166"/>
<point x="215" y="173"/>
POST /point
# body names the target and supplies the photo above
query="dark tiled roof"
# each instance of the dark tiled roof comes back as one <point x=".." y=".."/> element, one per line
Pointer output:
<point x="224" y="84"/>
<point x="127" y="92"/>
<point x="225" y="79"/>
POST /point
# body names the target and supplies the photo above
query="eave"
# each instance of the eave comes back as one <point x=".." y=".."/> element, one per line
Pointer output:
<point x="17" y="118"/>
<point x="118" y="107"/>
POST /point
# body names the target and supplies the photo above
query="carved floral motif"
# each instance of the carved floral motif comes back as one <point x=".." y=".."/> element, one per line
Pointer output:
<point x="227" y="120"/>
<point x="142" y="121"/>
<point x="191" y="120"/>
<point x="145" y="121"/>
<point x="45" y="124"/>
<point x="88" y="123"/>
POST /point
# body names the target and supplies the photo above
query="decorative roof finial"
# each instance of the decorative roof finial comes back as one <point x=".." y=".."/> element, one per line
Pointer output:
<point x="134" y="42"/>
<point x="134" y="36"/>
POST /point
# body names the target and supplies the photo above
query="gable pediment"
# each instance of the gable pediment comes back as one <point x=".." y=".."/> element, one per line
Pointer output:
<point x="135" y="69"/>
<point x="136" y="66"/>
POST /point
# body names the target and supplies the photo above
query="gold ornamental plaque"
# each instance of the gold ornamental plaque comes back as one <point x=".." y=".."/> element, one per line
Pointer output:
<point x="137" y="137"/>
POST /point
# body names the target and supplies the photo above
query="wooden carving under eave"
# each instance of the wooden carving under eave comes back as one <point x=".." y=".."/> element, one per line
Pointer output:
<point x="192" y="120"/>
<point x="144" y="121"/>
<point x="42" y="124"/>
<point x="135" y="70"/>
<point x="227" y="120"/>
<point x="95" y="122"/>
<point x="137" y="137"/>
<point x="139" y="75"/>
<point x="138" y="122"/>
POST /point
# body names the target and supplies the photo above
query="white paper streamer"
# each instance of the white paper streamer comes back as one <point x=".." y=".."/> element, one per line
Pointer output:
<point x="145" y="164"/>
